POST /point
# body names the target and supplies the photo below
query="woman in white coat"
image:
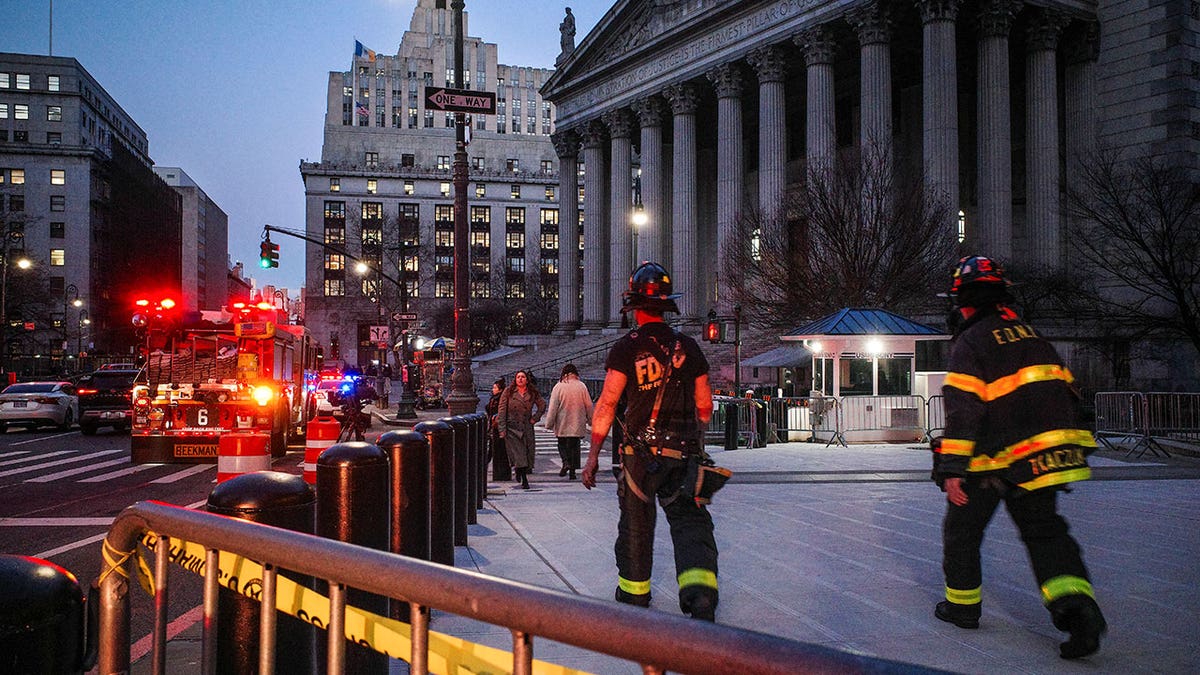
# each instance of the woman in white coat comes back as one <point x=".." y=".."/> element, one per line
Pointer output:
<point x="568" y="415"/>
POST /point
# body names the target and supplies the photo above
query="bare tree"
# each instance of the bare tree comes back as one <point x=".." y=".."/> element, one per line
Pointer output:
<point x="842" y="247"/>
<point x="1137" y="223"/>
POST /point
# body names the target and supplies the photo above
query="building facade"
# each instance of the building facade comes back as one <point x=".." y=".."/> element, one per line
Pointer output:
<point x="79" y="198"/>
<point x="204" y="243"/>
<point x="382" y="192"/>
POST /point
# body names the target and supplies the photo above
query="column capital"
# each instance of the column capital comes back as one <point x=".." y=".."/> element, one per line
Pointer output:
<point x="649" y="111"/>
<point x="995" y="17"/>
<point x="727" y="80"/>
<point x="683" y="98"/>
<point x="769" y="63"/>
<point x="1043" y="30"/>
<point x="566" y="143"/>
<point x="593" y="134"/>
<point x="872" y="22"/>
<point x="938" y="10"/>
<point x="818" y="45"/>
<point x="1083" y="45"/>
<point x="619" y="123"/>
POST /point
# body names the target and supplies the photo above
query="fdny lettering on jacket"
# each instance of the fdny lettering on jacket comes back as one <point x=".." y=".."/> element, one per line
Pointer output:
<point x="1057" y="460"/>
<point x="1015" y="333"/>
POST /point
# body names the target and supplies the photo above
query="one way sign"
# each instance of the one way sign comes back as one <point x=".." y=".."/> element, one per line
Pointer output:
<point x="461" y="100"/>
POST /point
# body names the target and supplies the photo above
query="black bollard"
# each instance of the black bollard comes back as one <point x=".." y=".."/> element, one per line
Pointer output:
<point x="408" y="461"/>
<point x="281" y="500"/>
<point x="731" y="424"/>
<point x="462" y="450"/>
<point x="472" y="466"/>
<point x="441" y="489"/>
<point x="352" y="506"/>
<point x="481" y="449"/>
<point x="41" y="617"/>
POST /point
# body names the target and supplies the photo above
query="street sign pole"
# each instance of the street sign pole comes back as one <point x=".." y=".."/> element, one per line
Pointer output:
<point x="462" y="399"/>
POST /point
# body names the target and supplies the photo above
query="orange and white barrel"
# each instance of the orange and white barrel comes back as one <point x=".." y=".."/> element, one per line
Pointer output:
<point x="241" y="452"/>
<point x="321" y="433"/>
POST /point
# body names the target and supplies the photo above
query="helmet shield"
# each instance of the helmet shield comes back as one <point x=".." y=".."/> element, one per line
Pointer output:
<point x="650" y="289"/>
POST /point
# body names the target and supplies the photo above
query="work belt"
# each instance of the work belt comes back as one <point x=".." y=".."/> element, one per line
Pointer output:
<point x="671" y="453"/>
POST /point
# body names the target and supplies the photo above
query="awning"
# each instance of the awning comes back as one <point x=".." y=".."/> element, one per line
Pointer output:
<point x="786" y="356"/>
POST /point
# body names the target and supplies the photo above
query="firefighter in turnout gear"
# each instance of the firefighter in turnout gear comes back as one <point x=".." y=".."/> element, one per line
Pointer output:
<point x="1012" y="434"/>
<point x="664" y="375"/>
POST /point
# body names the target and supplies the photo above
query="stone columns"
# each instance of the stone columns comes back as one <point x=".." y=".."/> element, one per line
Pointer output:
<point x="872" y="23"/>
<point x="821" y="134"/>
<point x="994" y="144"/>
<point x="566" y="146"/>
<point x="595" y="227"/>
<point x="771" y="67"/>
<point x="940" y="105"/>
<point x="1043" y="203"/>
<point x="620" y="207"/>
<point x="727" y="81"/>
<point x="685" y="261"/>
<point x="1081" y="128"/>
<point x="651" y="240"/>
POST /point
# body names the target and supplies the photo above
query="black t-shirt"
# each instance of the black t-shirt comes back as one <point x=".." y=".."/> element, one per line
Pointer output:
<point x="642" y="355"/>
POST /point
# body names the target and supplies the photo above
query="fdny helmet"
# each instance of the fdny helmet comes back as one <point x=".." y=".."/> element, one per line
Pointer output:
<point x="979" y="272"/>
<point x="650" y="289"/>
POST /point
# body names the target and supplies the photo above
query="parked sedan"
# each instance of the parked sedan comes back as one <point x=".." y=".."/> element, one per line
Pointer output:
<point x="33" y="404"/>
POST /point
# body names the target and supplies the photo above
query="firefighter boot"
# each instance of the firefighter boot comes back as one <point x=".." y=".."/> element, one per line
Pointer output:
<point x="699" y="603"/>
<point x="639" y="600"/>
<point x="1080" y="616"/>
<point x="963" y="616"/>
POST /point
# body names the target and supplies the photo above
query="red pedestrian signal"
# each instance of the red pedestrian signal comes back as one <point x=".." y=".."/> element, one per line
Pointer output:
<point x="713" y="331"/>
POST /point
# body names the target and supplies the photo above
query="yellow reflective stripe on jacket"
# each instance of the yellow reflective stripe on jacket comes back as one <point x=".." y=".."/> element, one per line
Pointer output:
<point x="990" y="391"/>
<point x="1057" y="478"/>
<point x="1028" y="446"/>
<point x="970" y="597"/>
<point x="633" y="587"/>
<point x="968" y="383"/>
<point x="1064" y="585"/>
<point x="698" y="577"/>
<point x="957" y="446"/>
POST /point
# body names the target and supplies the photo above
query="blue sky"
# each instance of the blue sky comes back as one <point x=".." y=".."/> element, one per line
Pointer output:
<point x="233" y="91"/>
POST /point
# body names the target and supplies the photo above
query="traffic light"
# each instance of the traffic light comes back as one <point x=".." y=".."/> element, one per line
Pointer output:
<point x="268" y="254"/>
<point x="712" y="331"/>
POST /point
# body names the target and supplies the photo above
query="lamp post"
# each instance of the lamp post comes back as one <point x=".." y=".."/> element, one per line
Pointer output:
<point x="406" y="406"/>
<point x="13" y="232"/>
<point x="83" y="321"/>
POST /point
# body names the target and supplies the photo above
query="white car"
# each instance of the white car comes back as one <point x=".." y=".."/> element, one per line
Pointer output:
<point x="33" y="404"/>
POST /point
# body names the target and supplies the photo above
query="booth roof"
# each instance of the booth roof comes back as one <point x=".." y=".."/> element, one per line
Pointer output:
<point x="786" y="356"/>
<point x="850" y="321"/>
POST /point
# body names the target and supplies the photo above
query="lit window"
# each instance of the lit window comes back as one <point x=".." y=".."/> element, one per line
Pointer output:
<point x="17" y="177"/>
<point x="335" y="287"/>
<point x="58" y="177"/>
<point x="445" y="189"/>
<point x="444" y="289"/>
<point x="428" y="119"/>
<point x="477" y="163"/>
<point x="372" y="186"/>
<point x="514" y="215"/>
<point x="3" y="111"/>
<point x="409" y="188"/>
<point x="549" y="241"/>
<point x="335" y="184"/>
<point x="58" y="257"/>
<point x="20" y="111"/>
<point x="52" y="82"/>
<point x="22" y="80"/>
<point x="480" y="190"/>
<point x="372" y="160"/>
<point x="5" y="82"/>
<point x="547" y="167"/>
<point x="443" y="162"/>
<point x="443" y="213"/>
<point x="549" y="193"/>
<point x="335" y="261"/>
<point x="444" y="238"/>
<point x="514" y="191"/>
<point x="513" y="165"/>
<point x="54" y="113"/>
<point x="514" y="239"/>
<point x="549" y="217"/>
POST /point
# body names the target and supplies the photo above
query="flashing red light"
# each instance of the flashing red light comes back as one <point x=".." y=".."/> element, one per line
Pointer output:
<point x="81" y="390"/>
<point x="239" y="305"/>
<point x="142" y="302"/>
<point x="167" y="303"/>
<point x="265" y="305"/>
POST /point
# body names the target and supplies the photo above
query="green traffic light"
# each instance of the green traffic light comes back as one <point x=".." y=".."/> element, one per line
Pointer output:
<point x="264" y="263"/>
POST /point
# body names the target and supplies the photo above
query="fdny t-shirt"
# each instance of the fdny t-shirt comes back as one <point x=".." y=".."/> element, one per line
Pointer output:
<point x="642" y="355"/>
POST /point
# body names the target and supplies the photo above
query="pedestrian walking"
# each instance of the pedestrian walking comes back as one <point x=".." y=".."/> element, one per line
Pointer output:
<point x="499" y="456"/>
<point x="568" y="415"/>
<point x="664" y="375"/>
<point x="1013" y="434"/>
<point x="521" y="406"/>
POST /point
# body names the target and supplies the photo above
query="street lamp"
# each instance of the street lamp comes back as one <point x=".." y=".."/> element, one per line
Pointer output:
<point x="638" y="220"/>
<point x="83" y="321"/>
<point x="13" y="232"/>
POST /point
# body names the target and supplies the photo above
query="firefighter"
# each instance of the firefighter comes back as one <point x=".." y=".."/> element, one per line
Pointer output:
<point x="664" y="376"/>
<point x="1012" y="434"/>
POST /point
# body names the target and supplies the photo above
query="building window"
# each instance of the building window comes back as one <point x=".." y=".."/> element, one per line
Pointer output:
<point x="335" y="210"/>
<point x="515" y="289"/>
<point x="372" y="211"/>
<point x="514" y="191"/>
<point x="58" y="203"/>
<point x="547" y="167"/>
<point x="5" y="82"/>
<point x="412" y="118"/>
<point x="408" y="160"/>
<point x="20" y="136"/>
<point x="52" y="83"/>
<point x="23" y="81"/>
<point x="514" y="215"/>
<point x="481" y="238"/>
<point x="512" y="165"/>
<point x="58" y="176"/>
<point x="449" y="120"/>
<point x="444" y="289"/>
<point x="54" y="113"/>
<point x="372" y="160"/>
<point x="443" y="238"/>
<point x="53" y="138"/>
<point x="501" y="125"/>
<point x="477" y="163"/>
<point x="445" y="189"/>
<point x="443" y="162"/>
<point x="58" y="257"/>
<point x="549" y="266"/>
<point x="481" y="289"/>
<point x="549" y="241"/>
<point x="16" y="203"/>
<point x="20" y="111"/>
<point x="3" y="111"/>
<point x="17" y="176"/>
<point x="549" y="193"/>
<point x="481" y="123"/>
<point x="335" y="261"/>
<point x="549" y="217"/>
<point x="409" y="188"/>
<point x="335" y="184"/>
<point x="443" y="213"/>
<point x="372" y="186"/>
<point x="428" y="119"/>
<point x="514" y="240"/>
<point x="58" y="230"/>
<point x="480" y="190"/>
<point x="335" y="287"/>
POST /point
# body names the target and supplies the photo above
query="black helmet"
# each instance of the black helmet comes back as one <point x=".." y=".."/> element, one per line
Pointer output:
<point x="650" y="289"/>
<point x="979" y="280"/>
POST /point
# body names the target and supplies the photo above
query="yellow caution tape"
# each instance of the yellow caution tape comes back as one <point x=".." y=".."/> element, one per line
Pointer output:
<point x="447" y="654"/>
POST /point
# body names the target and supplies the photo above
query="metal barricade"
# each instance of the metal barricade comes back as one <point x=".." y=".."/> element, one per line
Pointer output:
<point x="935" y="416"/>
<point x="880" y="413"/>
<point x="1121" y="418"/>
<point x="1173" y="415"/>
<point x="202" y="542"/>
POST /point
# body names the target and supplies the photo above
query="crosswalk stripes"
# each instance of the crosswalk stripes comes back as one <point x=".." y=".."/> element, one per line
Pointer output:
<point x="29" y="467"/>
<point x="59" y="462"/>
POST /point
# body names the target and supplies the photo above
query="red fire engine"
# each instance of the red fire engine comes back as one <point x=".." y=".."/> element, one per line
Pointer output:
<point x="207" y="378"/>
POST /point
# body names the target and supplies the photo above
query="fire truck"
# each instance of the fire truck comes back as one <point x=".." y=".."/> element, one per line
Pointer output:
<point x="209" y="378"/>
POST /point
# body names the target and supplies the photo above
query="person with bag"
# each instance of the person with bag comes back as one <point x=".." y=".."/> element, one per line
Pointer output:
<point x="665" y="378"/>
<point x="568" y="415"/>
<point x="521" y="406"/>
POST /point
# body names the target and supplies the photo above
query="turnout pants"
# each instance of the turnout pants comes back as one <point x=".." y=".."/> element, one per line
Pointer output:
<point x="691" y="536"/>
<point x="1057" y="562"/>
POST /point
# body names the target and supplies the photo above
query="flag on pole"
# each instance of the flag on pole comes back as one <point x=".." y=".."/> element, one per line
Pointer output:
<point x="361" y="51"/>
<point x="363" y="110"/>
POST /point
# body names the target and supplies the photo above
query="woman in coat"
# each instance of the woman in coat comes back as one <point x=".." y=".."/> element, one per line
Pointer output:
<point x="496" y="452"/>
<point x="521" y="406"/>
<point x="568" y="415"/>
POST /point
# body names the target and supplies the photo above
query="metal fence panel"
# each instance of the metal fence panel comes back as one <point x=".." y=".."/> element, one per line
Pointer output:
<point x="1173" y="415"/>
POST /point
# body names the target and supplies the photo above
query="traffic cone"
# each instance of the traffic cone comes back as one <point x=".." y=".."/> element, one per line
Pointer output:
<point x="242" y="452"/>
<point x="321" y="433"/>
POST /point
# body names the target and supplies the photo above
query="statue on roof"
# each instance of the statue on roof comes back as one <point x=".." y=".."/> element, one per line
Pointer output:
<point x="566" y="30"/>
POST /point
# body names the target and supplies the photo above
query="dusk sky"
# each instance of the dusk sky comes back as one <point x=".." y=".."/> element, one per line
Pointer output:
<point x="233" y="91"/>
